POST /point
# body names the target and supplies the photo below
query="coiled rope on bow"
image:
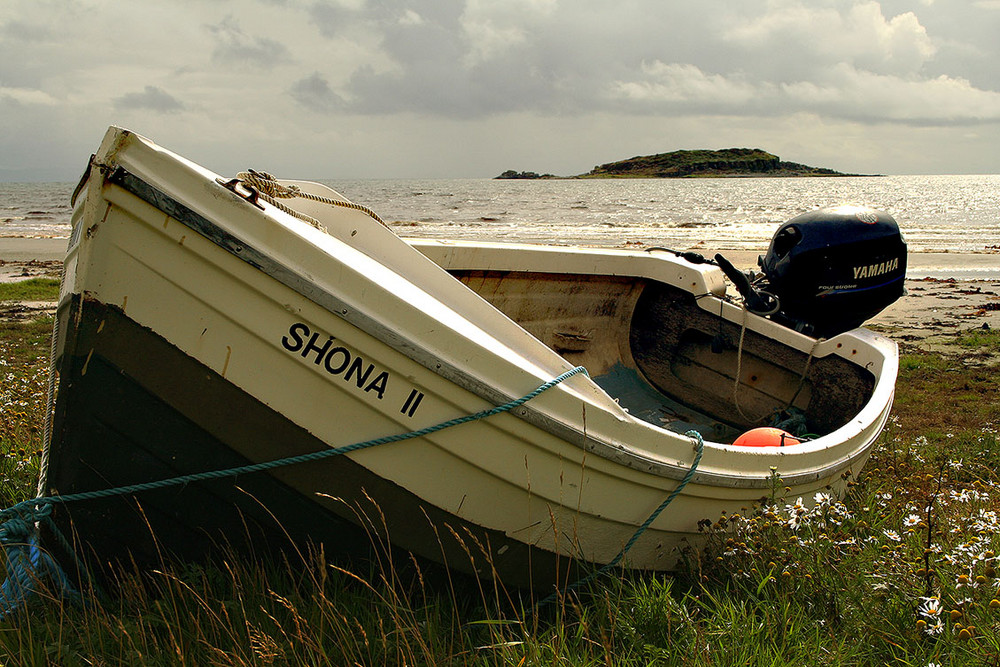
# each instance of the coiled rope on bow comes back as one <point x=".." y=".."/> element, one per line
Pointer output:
<point x="270" y="190"/>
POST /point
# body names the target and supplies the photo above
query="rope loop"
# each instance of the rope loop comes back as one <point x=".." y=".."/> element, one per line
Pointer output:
<point x="16" y="529"/>
<point x="268" y="184"/>
<point x="270" y="190"/>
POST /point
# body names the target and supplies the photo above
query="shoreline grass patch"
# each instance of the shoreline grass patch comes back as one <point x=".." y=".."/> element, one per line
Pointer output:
<point x="32" y="289"/>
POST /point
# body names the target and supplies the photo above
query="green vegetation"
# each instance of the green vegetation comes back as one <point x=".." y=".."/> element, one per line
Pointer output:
<point x="902" y="572"/>
<point x="523" y="175"/>
<point x="694" y="164"/>
<point x="726" y="162"/>
<point x="981" y="338"/>
<point x="24" y="370"/>
<point x="32" y="289"/>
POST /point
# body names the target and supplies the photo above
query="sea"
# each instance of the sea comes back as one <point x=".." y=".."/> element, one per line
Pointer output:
<point x="958" y="213"/>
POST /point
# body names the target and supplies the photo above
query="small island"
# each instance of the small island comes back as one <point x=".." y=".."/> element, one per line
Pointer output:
<point x="728" y="162"/>
<point x="527" y="175"/>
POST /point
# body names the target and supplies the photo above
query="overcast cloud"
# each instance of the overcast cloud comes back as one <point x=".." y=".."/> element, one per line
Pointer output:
<point x="431" y="88"/>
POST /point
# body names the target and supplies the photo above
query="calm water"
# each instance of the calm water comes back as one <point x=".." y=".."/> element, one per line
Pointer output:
<point x="956" y="213"/>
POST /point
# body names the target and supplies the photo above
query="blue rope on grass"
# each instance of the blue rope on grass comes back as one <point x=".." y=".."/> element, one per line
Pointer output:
<point x="28" y="566"/>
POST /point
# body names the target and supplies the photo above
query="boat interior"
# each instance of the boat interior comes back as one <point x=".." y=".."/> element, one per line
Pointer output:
<point x="670" y="362"/>
<point x="657" y="352"/>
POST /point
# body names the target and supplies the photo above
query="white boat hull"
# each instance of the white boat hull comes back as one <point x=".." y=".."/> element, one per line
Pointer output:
<point x="197" y="330"/>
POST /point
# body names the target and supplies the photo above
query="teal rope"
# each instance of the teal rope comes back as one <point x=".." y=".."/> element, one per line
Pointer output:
<point x="28" y="565"/>
<point x="291" y="460"/>
<point x="17" y="532"/>
<point x="699" y="450"/>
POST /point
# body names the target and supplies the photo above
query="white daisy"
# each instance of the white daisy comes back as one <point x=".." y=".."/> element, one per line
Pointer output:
<point x="930" y="607"/>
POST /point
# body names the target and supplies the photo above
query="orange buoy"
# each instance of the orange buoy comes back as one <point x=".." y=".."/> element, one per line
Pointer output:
<point x="766" y="436"/>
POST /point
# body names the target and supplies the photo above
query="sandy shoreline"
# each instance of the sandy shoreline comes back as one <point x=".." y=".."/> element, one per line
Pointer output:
<point x="943" y="265"/>
<point x="947" y="292"/>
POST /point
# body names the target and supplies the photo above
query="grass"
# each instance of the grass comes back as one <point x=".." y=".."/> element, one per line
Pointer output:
<point x="980" y="338"/>
<point x="901" y="572"/>
<point x="32" y="289"/>
<point x="24" y="353"/>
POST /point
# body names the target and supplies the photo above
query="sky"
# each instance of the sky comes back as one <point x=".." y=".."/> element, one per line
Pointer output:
<point x="343" y="89"/>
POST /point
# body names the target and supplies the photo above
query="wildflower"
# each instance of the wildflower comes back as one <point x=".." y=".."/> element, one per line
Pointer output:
<point x="822" y="498"/>
<point x="797" y="508"/>
<point x="892" y="535"/>
<point x="935" y="628"/>
<point x="911" y="520"/>
<point x="963" y="496"/>
<point x="930" y="607"/>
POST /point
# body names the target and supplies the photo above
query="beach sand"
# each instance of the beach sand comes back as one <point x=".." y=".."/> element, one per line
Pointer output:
<point x="947" y="293"/>
<point x="17" y="249"/>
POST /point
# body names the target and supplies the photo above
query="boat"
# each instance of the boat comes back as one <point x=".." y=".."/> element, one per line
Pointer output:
<point x="206" y="324"/>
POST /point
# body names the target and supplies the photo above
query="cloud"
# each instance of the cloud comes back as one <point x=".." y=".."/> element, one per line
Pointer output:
<point x="683" y="86"/>
<point x="816" y="35"/>
<point x="335" y="18"/>
<point x="314" y="93"/>
<point x="860" y="95"/>
<point x="27" y="97"/>
<point x="492" y="28"/>
<point x="605" y="77"/>
<point x="26" y="31"/>
<point x="453" y="61"/>
<point x="411" y="17"/>
<point x="236" y="47"/>
<point x="755" y="58"/>
<point x="841" y="91"/>
<point x="153" y="98"/>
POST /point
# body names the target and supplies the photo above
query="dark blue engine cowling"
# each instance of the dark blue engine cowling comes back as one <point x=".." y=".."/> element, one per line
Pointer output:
<point x="834" y="268"/>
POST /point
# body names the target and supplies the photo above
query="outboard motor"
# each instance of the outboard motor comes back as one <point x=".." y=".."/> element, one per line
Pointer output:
<point x="829" y="270"/>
